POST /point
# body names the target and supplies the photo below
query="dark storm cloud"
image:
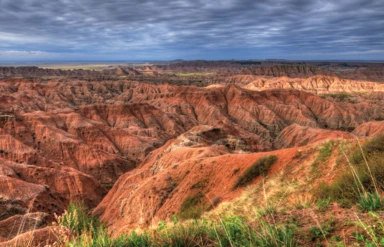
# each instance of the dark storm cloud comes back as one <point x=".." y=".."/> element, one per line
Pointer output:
<point x="134" y="29"/>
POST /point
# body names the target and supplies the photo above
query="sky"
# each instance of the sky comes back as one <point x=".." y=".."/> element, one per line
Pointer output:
<point x="126" y="30"/>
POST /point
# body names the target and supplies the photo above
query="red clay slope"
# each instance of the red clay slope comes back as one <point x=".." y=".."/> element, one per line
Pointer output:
<point x="69" y="141"/>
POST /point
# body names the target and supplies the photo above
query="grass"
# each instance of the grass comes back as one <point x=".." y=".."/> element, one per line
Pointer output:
<point x="259" y="168"/>
<point x="302" y="201"/>
<point x="230" y="231"/>
<point x="375" y="146"/>
<point x="373" y="233"/>
<point x="370" y="201"/>
<point x="362" y="182"/>
<point x="324" y="154"/>
<point x="323" y="203"/>
<point x="76" y="219"/>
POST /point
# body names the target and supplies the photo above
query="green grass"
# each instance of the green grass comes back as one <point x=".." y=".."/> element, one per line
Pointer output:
<point x="324" y="154"/>
<point x="372" y="233"/>
<point x="323" y="203"/>
<point x="322" y="231"/>
<point x="259" y="168"/>
<point x="231" y="231"/>
<point x="370" y="201"/>
<point x="357" y="185"/>
<point x="361" y="182"/>
<point x="375" y="146"/>
<point x="77" y="219"/>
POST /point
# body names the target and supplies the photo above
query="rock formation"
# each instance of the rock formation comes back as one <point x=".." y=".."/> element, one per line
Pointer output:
<point x="154" y="146"/>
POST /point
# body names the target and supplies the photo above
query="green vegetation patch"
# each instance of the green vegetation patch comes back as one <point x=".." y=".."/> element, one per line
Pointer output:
<point x="230" y="231"/>
<point x="77" y="219"/>
<point x="324" y="154"/>
<point x="361" y="182"/>
<point x="259" y="168"/>
<point x="375" y="146"/>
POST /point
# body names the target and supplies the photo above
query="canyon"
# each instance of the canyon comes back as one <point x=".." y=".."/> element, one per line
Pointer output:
<point x="134" y="143"/>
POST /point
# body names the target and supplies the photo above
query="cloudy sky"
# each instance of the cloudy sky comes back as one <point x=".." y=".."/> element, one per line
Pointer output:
<point x="100" y="30"/>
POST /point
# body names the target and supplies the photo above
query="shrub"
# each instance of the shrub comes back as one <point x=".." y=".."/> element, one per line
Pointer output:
<point x="259" y="168"/>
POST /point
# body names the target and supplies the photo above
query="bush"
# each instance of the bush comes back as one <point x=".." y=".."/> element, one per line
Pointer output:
<point x="259" y="168"/>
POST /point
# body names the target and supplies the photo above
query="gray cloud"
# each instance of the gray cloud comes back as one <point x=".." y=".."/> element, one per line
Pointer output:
<point x="149" y="29"/>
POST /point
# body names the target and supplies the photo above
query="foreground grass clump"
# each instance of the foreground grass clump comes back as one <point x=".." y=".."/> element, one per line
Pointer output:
<point x="228" y="231"/>
<point x="363" y="181"/>
<point x="259" y="168"/>
<point x="77" y="219"/>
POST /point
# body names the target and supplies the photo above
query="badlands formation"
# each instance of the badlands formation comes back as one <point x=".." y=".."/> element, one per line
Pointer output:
<point x="133" y="151"/>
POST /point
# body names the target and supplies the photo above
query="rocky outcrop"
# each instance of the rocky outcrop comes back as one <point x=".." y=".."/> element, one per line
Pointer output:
<point x="105" y="129"/>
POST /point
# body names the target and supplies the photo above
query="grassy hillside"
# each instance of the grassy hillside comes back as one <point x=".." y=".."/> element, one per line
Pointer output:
<point x="332" y="196"/>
